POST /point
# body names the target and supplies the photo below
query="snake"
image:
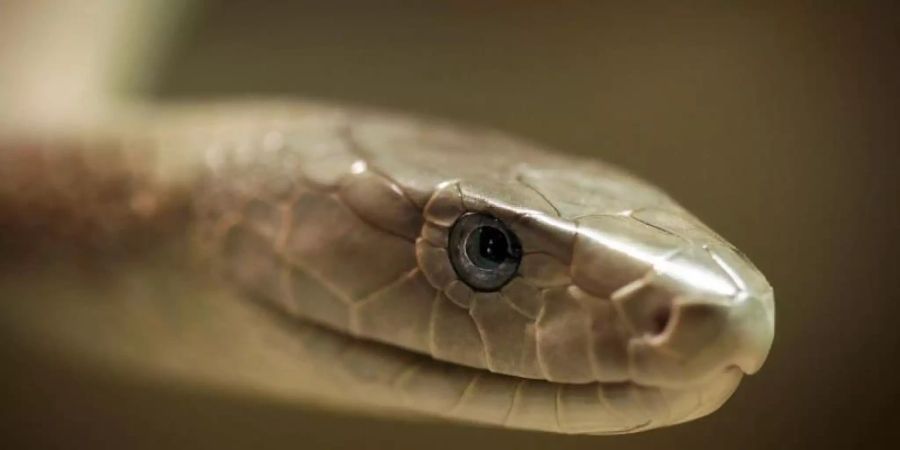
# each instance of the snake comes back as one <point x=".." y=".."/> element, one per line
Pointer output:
<point x="390" y="263"/>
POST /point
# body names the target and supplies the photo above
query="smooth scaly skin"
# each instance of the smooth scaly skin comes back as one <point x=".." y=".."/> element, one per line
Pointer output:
<point x="627" y="314"/>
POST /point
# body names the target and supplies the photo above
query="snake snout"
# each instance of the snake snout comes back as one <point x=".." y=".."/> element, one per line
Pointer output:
<point x="692" y="305"/>
<point x="696" y="336"/>
<point x="703" y="337"/>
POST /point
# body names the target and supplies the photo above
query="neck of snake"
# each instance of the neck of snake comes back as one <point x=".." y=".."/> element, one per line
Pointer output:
<point x="88" y="197"/>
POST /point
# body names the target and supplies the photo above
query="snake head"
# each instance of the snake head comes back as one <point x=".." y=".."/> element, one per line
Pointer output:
<point x="532" y="290"/>
<point x="615" y="285"/>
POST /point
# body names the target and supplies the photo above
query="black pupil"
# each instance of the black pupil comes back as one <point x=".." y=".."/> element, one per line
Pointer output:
<point x="492" y="245"/>
<point x="483" y="252"/>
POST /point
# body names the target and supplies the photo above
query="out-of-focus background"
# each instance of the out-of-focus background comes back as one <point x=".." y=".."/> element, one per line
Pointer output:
<point x="775" y="123"/>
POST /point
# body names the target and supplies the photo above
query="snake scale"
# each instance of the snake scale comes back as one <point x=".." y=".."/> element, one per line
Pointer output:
<point x="608" y="309"/>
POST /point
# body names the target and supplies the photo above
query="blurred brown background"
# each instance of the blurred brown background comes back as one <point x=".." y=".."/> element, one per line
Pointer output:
<point x="776" y="124"/>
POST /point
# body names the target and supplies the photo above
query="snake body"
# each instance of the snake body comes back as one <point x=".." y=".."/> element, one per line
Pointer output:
<point x="626" y="313"/>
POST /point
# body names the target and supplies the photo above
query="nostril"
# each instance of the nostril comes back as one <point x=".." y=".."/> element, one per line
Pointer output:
<point x="660" y="319"/>
<point x="647" y="310"/>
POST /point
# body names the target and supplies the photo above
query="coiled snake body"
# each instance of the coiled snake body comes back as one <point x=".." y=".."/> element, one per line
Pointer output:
<point x="622" y="312"/>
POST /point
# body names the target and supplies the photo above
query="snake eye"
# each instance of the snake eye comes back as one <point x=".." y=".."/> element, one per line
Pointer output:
<point x="484" y="253"/>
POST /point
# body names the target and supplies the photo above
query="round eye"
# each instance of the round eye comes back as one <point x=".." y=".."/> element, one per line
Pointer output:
<point x="484" y="253"/>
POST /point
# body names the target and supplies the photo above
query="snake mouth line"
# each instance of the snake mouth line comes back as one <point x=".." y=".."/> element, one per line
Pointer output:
<point x="419" y="383"/>
<point x="291" y="320"/>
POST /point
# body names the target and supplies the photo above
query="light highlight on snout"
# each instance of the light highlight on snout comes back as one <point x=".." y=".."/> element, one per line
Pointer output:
<point x="694" y="307"/>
